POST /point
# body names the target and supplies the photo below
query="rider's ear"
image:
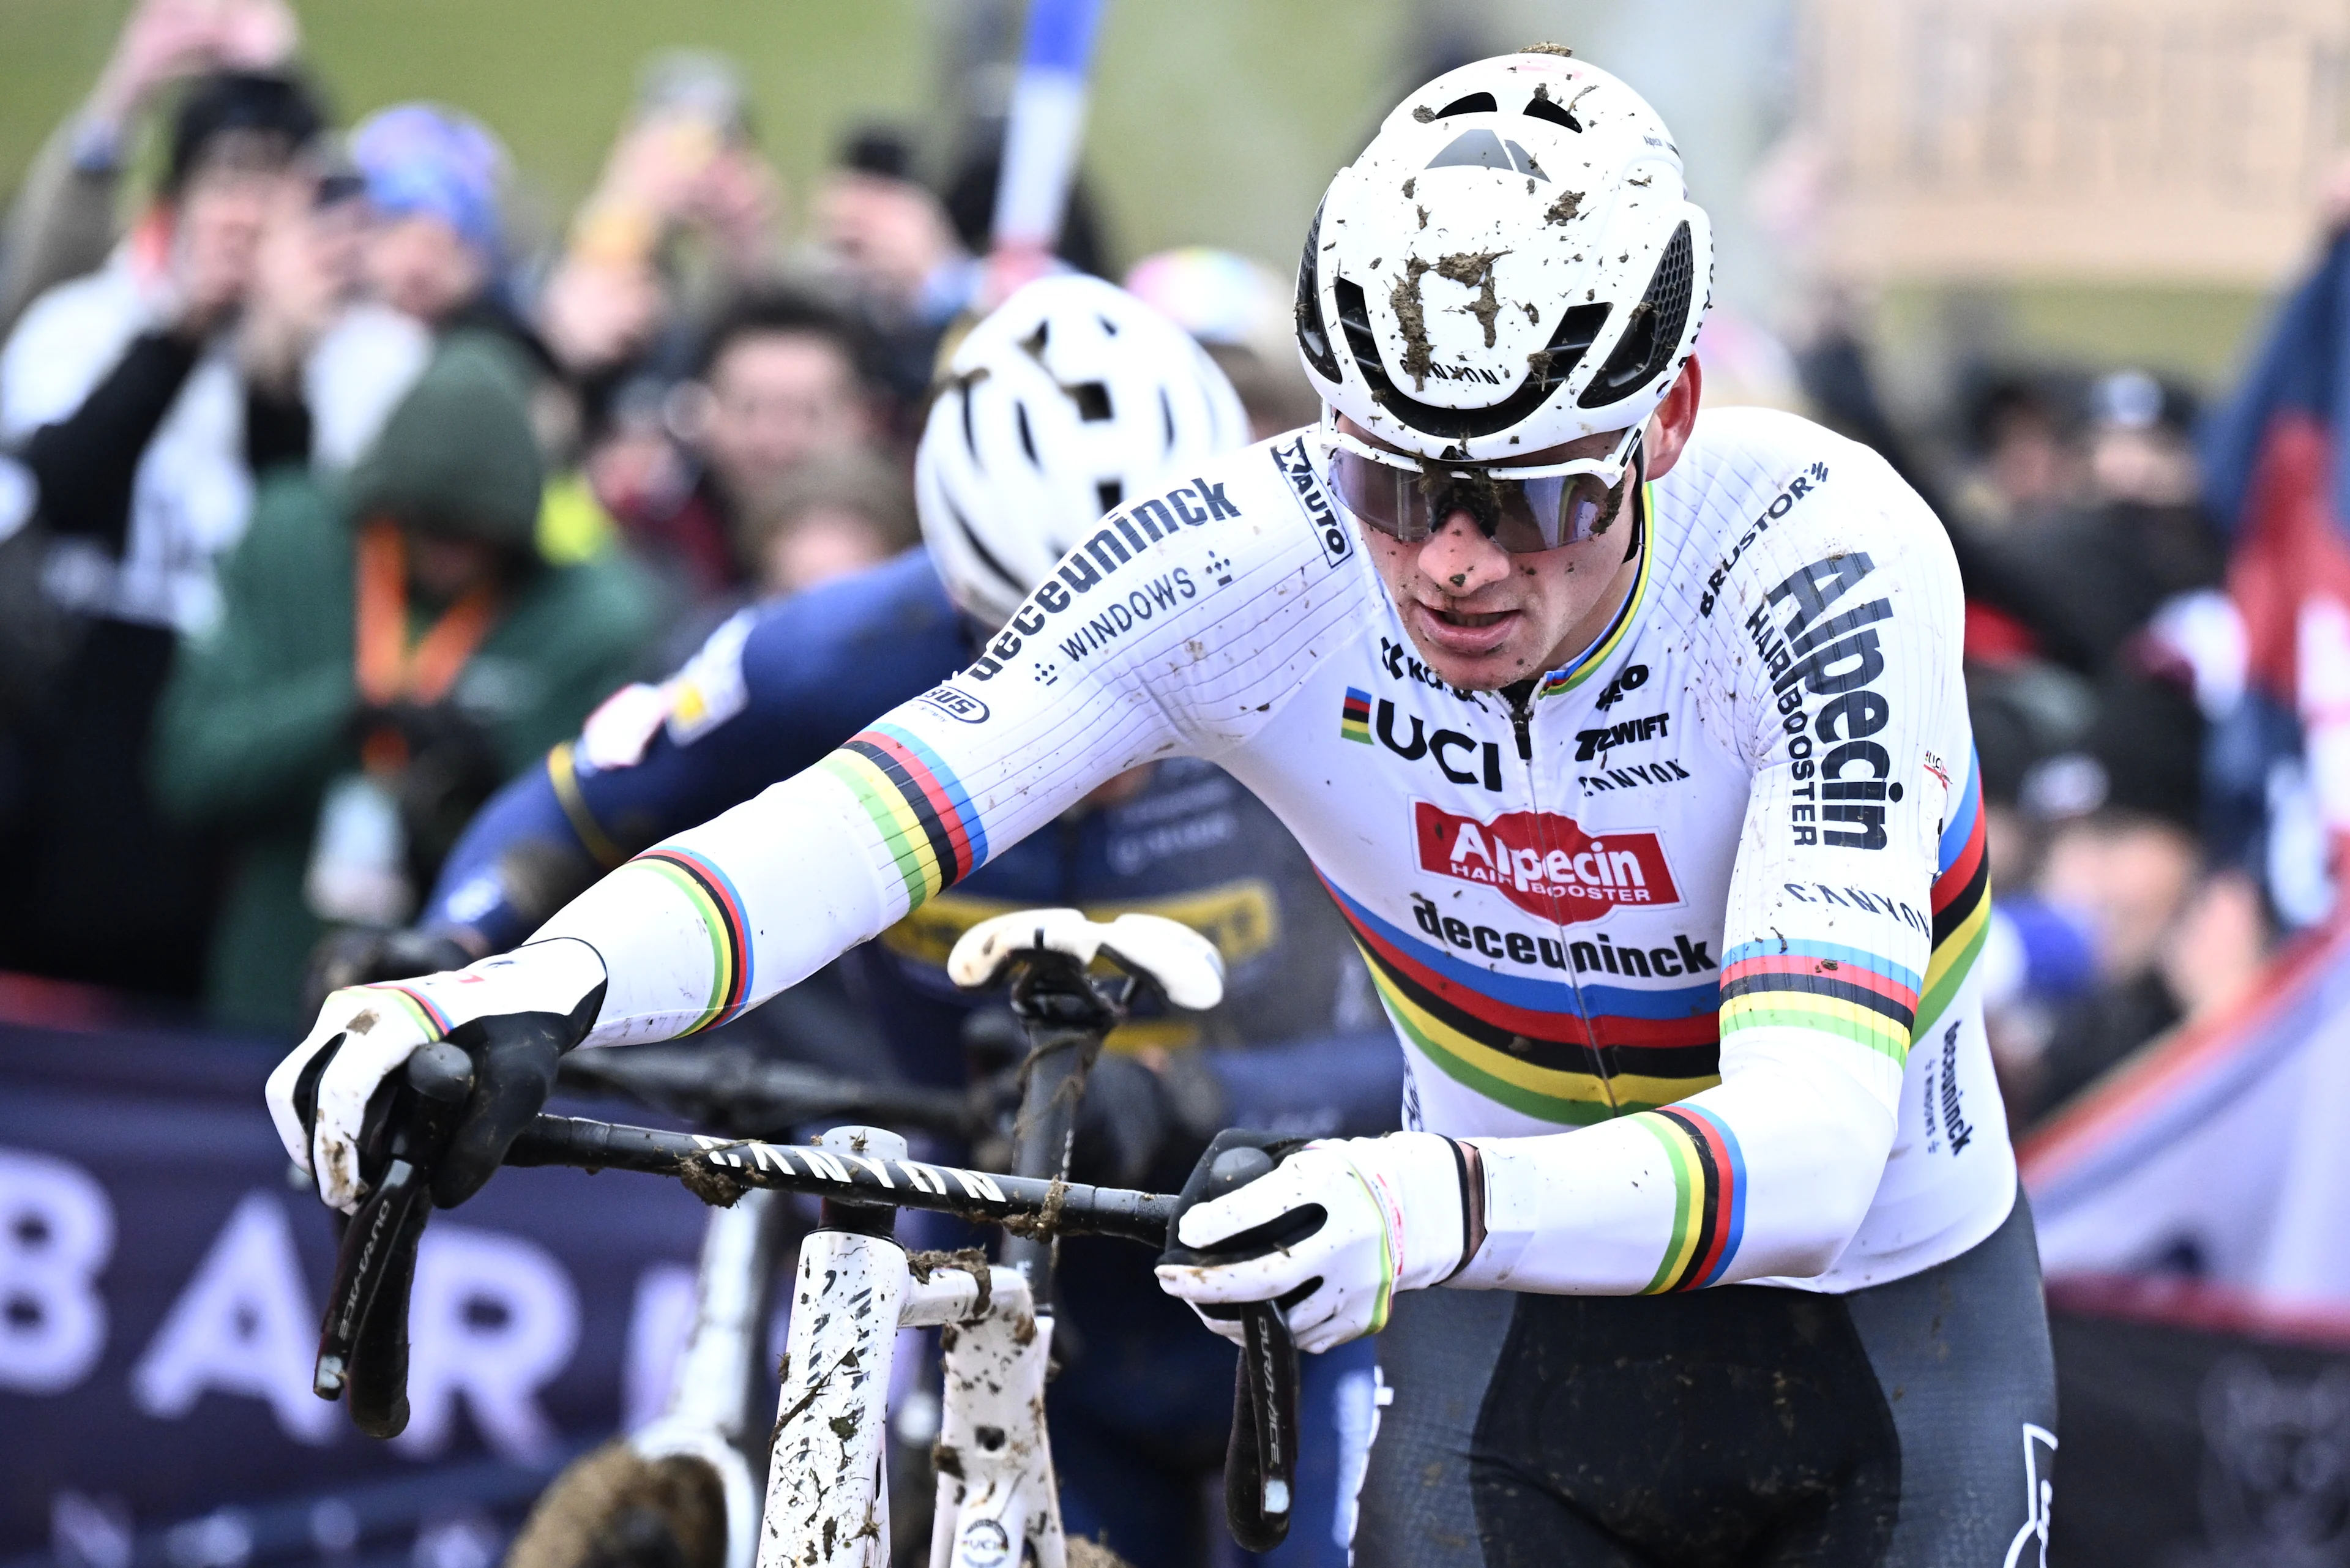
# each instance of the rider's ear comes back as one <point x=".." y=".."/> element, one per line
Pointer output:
<point x="1676" y="417"/>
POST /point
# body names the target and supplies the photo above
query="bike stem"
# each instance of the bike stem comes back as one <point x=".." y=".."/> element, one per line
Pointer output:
<point x="1066" y="1019"/>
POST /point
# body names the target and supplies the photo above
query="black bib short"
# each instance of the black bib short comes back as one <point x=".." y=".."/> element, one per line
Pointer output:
<point x="1909" y="1424"/>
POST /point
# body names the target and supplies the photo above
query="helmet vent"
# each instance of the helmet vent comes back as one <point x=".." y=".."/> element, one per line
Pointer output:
<point x="1475" y="103"/>
<point x="1483" y="150"/>
<point x="1027" y="438"/>
<point x="1109" y="492"/>
<point x="1548" y="368"/>
<point x="1541" y="106"/>
<point x="1313" y="336"/>
<point x="1092" y="399"/>
<point x="1654" y="331"/>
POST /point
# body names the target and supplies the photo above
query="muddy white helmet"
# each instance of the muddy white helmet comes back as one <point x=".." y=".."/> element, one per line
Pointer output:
<point x="1072" y="397"/>
<point x="1510" y="264"/>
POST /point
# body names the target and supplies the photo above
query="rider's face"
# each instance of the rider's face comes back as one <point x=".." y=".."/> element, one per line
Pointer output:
<point x="1482" y="617"/>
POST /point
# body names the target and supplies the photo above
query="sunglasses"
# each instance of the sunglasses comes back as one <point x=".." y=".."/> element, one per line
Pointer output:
<point x="1523" y="510"/>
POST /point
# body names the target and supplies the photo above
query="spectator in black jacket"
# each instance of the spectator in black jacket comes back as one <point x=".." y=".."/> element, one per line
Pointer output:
<point x="142" y="399"/>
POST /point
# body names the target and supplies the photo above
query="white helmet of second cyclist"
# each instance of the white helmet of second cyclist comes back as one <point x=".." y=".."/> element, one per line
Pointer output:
<point x="1513" y="262"/>
<point x="1071" y="398"/>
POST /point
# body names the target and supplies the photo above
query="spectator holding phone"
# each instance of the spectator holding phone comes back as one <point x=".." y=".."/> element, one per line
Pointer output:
<point x="222" y="338"/>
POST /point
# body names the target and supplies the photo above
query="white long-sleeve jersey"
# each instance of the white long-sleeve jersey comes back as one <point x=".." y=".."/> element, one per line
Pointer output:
<point x="1683" y="941"/>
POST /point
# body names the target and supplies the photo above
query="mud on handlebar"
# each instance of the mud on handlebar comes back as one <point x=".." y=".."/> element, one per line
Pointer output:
<point x="719" y="1169"/>
<point x="363" y="1341"/>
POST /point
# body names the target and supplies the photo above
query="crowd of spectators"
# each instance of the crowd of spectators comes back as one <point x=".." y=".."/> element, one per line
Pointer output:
<point x="326" y="503"/>
<point x="2093" y="572"/>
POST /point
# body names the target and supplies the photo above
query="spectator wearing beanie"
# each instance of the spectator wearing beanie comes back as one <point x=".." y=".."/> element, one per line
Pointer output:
<point x="389" y="652"/>
<point x="432" y="178"/>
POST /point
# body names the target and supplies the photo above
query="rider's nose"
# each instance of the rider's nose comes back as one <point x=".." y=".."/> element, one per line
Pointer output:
<point x="1459" y="556"/>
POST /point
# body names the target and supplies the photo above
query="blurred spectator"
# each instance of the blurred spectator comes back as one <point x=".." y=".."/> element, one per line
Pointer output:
<point x="831" y="516"/>
<point x="778" y="383"/>
<point x="219" y="339"/>
<point x="436" y="250"/>
<point x="2085" y="579"/>
<point x="912" y="257"/>
<point x="63" y="221"/>
<point x="686" y="214"/>
<point x="970" y="198"/>
<point x="1240" y="311"/>
<point x="433" y="178"/>
<point x="2021" y="434"/>
<point x="388" y="652"/>
<point x="2169" y="938"/>
<point x="908" y="271"/>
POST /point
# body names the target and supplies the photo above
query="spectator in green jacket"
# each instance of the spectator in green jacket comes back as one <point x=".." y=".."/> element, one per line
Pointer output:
<point x="389" y="652"/>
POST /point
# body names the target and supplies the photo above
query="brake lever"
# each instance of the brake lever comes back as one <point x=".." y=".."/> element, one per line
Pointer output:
<point x="363" y="1341"/>
<point x="1261" y="1461"/>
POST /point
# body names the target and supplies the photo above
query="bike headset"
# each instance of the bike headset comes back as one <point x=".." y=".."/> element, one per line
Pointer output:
<point x="1073" y="398"/>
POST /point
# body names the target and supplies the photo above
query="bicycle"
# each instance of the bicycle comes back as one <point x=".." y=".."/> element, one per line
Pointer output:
<point x="680" y="1491"/>
<point x="826" y="1500"/>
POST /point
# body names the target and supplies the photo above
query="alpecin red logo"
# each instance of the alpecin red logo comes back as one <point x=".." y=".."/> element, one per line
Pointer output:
<point x="1545" y="864"/>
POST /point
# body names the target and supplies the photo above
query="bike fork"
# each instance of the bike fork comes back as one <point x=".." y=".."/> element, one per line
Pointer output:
<point x="828" y="1502"/>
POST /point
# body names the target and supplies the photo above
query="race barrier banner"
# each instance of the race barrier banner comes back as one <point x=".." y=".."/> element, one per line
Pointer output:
<point x="161" y="1281"/>
<point x="2192" y="1208"/>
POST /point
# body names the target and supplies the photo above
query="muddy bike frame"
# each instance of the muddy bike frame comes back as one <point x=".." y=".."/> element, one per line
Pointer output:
<point x="826" y="1501"/>
<point x="720" y="1379"/>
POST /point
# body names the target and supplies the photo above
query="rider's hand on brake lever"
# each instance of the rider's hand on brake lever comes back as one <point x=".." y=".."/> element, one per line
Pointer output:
<point x="319" y="1095"/>
<point x="1376" y="1215"/>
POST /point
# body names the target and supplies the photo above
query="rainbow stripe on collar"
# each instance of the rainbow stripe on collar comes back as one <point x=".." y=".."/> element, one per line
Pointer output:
<point x="1584" y="665"/>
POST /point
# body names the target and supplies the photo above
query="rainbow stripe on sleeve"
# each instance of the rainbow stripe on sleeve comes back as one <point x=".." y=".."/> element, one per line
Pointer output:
<point x="713" y="896"/>
<point x="1355" y="717"/>
<point x="925" y="818"/>
<point x="1962" y="902"/>
<point x="1709" y="1197"/>
<point x="1827" y="986"/>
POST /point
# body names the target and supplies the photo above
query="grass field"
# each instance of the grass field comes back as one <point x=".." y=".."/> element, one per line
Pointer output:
<point x="1185" y="96"/>
<point x="1214" y="121"/>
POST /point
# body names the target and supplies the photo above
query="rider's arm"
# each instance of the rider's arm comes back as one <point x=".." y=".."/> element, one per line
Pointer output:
<point x="1838" y="645"/>
<point x="768" y="695"/>
<point x="1148" y="641"/>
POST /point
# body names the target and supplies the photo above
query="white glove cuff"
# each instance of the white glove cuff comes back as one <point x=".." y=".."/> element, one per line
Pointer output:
<point x="1417" y="1179"/>
<point x="539" y="976"/>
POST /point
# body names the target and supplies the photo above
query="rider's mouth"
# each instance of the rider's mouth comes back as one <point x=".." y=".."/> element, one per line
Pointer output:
<point x="1464" y="633"/>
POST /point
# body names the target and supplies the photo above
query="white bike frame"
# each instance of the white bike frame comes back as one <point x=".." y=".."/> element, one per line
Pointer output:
<point x="828" y="1490"/>
<point x="828" y="1500"/>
